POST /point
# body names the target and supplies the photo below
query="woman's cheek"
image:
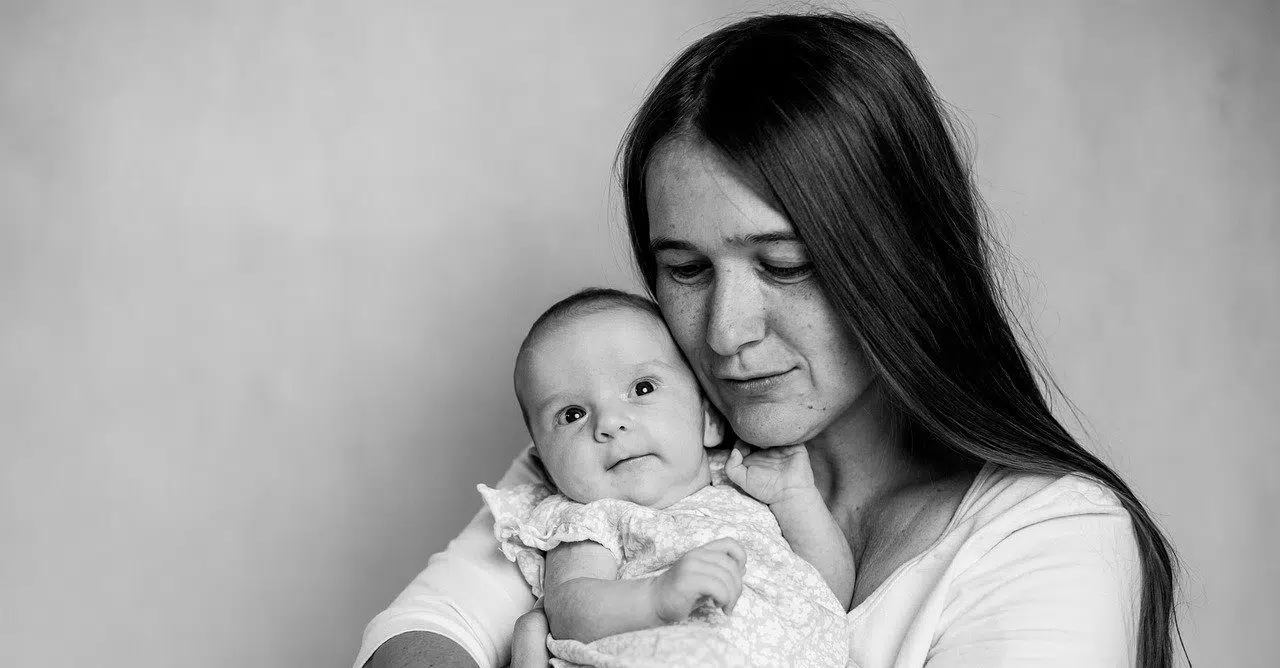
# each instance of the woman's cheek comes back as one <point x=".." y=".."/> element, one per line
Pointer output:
<point x="682" y="314"/>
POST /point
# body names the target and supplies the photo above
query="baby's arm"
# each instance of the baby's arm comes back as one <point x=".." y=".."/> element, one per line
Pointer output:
<point x="814" y="535"/>
<point x="782" y="479"/>
<point x="585" y="601"/>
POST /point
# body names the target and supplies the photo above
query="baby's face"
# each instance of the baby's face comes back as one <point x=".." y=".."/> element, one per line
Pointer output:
<point x="614" y="410"/>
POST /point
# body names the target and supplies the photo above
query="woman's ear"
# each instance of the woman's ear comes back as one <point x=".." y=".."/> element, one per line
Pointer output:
<point x="712" y="425"/>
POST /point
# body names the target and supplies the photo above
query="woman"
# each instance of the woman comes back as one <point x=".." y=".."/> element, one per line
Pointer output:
<point x="799" y="210"/>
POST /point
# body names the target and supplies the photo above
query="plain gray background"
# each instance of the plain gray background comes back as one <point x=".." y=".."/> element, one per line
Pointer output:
<point x="264" y="265"/>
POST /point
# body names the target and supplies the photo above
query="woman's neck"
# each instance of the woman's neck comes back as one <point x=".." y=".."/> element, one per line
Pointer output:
<point x="863" y="461"/>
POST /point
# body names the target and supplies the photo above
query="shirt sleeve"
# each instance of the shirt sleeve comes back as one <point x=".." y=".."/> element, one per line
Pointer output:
<point x="469" y="593"/>
<point x="1057" y="591"/>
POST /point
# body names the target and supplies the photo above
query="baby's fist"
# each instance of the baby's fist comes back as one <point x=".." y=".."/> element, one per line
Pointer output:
<point x="770" y="475"/>
<point x="712" y="571"/>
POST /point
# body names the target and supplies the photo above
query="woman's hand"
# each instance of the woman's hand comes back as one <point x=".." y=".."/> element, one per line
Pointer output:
<point x="529" y="644"/>
<point x="712" y="571"/>
<point x="770" y="475"/>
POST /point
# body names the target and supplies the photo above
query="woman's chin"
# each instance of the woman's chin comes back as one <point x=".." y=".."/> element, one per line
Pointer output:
<point x="772" y="428"/>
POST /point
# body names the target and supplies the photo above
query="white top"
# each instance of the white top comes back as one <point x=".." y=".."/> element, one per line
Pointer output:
<point x="1031" y="570"/>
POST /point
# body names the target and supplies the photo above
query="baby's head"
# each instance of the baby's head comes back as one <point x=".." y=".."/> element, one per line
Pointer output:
<point x="613" y="409"/>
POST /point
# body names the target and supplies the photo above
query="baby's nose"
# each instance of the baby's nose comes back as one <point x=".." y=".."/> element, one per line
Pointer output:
<point x="612" y="425"/>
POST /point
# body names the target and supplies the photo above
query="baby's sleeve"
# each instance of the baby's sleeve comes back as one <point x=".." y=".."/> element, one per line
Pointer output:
<point x="530" y="520"/>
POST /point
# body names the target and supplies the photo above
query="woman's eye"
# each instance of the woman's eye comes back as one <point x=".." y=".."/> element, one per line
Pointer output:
<point x="687" y="272"/>
<point x="571" y="414"/>
<point x="643" y="387"/>
<point x="788" y="273"/>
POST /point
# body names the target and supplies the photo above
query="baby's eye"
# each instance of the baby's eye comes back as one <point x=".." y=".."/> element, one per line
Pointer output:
<point x="571" y="414"/>
<point x="643" y="387"/>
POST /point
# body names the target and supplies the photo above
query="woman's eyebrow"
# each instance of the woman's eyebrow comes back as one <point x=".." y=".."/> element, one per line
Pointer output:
<point x="764" y="238"/>
<point x="661" y="243"/>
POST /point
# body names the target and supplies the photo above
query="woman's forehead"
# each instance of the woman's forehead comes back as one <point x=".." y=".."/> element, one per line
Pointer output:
<point x="697" y="198"/>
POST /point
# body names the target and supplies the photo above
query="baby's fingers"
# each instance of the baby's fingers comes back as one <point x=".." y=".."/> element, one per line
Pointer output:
<point x="529" y="640"/>
<point x="724" y="571"/>
<point x="728" y="547"/>
<point x="734" y="469"/>
<point x="718" y="584"/>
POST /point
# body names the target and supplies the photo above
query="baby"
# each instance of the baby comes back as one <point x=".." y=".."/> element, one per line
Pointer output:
<point x="654" y="555"/>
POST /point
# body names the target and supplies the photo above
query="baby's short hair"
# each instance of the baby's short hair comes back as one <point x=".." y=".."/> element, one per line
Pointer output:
<point x="584" y="302"/>
<point x="588" y="301"/>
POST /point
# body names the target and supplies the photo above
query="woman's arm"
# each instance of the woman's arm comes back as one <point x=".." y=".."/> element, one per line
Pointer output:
<point x="469" y="597"/>
<point x="420" y="648"/>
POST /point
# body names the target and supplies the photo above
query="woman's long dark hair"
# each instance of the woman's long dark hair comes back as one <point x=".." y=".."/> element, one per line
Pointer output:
<point x="840" y="129"/>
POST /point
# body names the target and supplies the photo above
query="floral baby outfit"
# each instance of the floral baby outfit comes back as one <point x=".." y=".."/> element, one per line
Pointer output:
<point x="786" y="616"/>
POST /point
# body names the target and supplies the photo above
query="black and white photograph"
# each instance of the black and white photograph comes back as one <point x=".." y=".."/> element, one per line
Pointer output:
<point x="626" y="334"/>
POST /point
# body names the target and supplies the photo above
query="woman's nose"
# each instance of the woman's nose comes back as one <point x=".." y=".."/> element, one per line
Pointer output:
<point x="735" y="314"/>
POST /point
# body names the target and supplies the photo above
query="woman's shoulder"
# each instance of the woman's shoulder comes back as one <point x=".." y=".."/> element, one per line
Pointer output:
<point x="1022" y="548"/>
<point x="1004" y="504"/>
<point x="999" y="491"/>
<point x="1011" y="522"/>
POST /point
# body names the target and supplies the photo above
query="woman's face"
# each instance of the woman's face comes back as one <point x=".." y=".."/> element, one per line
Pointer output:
<point x="738" y="291"/>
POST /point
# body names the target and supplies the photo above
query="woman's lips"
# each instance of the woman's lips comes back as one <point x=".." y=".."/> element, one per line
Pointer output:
<point x="756" y="386"/>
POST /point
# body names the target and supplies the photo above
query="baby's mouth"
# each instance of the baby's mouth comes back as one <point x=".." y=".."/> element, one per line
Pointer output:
<point x="627" y="460"/>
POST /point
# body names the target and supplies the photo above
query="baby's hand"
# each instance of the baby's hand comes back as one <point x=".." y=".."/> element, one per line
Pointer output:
<point x="712" y="571"/>
<point x="771" y="475"/>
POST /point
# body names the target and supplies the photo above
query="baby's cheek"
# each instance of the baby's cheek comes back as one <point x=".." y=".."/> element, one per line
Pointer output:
<point x="688" y="426"/>
<point x="585" y="487"/>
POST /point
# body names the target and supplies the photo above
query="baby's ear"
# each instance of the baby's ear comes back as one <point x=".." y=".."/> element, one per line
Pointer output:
<point x="541" y="467"/>
<point x="712" y="425"/>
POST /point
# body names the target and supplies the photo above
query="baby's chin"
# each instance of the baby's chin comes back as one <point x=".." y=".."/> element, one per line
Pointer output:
<point x="647" y="481"/>
<point x="659" y="494"/>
